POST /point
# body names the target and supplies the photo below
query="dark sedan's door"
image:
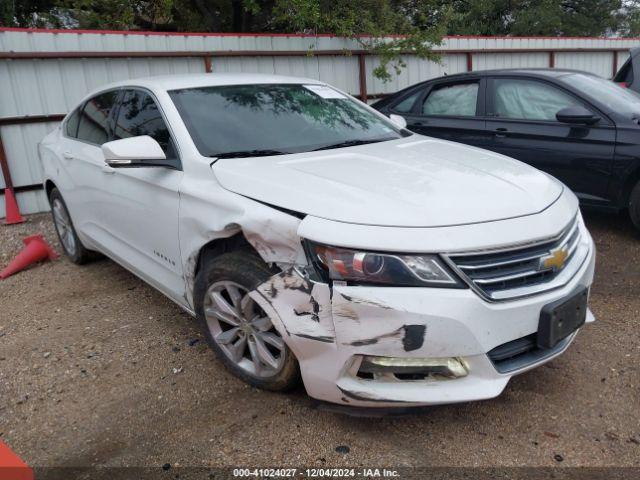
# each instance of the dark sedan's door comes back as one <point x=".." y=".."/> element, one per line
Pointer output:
<point x="449" y="110"/>
<point x="521" y="116"/>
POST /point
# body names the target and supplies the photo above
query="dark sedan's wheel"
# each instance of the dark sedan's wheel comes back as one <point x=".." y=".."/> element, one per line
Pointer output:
<point x="634" y="206"/>
<point x="67" y="235"/>
<point x="236" y="328"/>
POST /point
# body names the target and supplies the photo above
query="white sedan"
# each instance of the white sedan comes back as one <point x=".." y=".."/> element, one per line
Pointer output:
<point x="311" y="236"/>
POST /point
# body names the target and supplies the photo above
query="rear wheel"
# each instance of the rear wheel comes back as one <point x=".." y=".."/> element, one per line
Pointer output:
<point x="237" y="329"/>
<point x="634" y="205"/>
<point x="67" y="235"/>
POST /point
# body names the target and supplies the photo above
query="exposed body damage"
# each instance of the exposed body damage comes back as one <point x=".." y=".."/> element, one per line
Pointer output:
<point x="304" y="306"/>
<point x="331" y="328"/>
<point x="273" y="234"/>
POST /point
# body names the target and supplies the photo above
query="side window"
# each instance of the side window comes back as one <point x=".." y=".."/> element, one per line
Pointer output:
<point x="94" y="120"/>
<point x="625" y="74"/>
<point x="404" y="106"/>
<point x="139" y="115"/>
<point x="71" y="127"/>
<point x="459" y="99"/>
<point x="529" y="99"/>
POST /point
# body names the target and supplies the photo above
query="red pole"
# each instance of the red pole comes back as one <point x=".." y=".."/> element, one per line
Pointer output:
<point x="12" y="212"/>
<point x="469" y="62"/>
<point x="362" y="74"/>
<point x="4" y="166"/>
<point x="207" y="64"/>
<point x="552" y="59"/>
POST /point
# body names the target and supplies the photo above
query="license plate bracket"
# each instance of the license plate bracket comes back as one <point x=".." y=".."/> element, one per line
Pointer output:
<point x="561" y="318"/>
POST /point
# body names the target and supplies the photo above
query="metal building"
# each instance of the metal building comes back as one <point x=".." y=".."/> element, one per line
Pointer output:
<point x="44" y="73"/>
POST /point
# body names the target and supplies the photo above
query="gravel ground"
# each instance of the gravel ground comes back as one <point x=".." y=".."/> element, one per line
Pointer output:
<point x="97" y="368"/>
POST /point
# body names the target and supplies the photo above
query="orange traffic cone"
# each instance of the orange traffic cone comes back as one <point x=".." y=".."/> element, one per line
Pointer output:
<point x="11" y="466"/>
<point x="11" y="207"/>
<point x="36" y="249"/>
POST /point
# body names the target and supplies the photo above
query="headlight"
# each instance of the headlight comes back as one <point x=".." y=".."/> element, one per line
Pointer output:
<point x="355" y="266"/>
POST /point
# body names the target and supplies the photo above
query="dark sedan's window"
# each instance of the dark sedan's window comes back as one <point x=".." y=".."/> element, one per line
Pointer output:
<point x="139" y="115"/>
<point x="625" y="75"/>
<point x="71" y="127"/>
<point x="94" y="120"/>
<point x="529" y="99"/>
<point x="405" y="105"/>
<point x="458" y="100"/>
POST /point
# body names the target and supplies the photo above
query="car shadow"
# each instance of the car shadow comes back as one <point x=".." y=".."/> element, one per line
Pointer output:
<point x="618" y="224"/>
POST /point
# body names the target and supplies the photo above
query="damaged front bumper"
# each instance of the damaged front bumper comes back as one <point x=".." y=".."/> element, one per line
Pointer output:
<point x="332" y="329"/>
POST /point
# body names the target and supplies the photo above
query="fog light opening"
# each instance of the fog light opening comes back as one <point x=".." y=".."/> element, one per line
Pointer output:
<point x="373" y="368"/>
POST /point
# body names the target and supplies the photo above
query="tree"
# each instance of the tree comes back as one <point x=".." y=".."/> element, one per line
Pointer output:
<point x="415" y="26"/>
<point x="538" y="17"/>
<point x="27" y="13"/>
<point x="591" y="17"/>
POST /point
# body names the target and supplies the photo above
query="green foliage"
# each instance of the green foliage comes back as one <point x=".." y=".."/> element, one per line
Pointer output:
<point x="370" y="23"/>
<point x="28" y="13"/>
<point x="537" y="17"/>
<point x="105" y="14"/>
<point x="631" y="19"/>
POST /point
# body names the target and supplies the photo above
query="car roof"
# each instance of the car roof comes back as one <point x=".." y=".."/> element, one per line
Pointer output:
<point x="525" y="72"/>
<point x="195" y="80"/>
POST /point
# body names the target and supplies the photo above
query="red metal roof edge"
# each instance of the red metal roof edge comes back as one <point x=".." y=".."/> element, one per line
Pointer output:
<point x="225" y="34"/>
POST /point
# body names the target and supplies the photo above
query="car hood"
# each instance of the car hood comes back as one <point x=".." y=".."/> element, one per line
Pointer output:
<point x="411" y="182"/>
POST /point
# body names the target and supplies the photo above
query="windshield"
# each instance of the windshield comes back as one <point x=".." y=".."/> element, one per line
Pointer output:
<point x="614" y="97"/>
<point x="272" y="119"/>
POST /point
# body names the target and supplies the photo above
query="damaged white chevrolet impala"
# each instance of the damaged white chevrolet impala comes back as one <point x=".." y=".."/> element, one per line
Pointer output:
<point x="311" y="236"/>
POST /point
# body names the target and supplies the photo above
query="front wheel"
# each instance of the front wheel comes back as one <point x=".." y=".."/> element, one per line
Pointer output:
<point x="236" y="328"/>
<point x="67" y="235"/>
<point x="634" y="205"/>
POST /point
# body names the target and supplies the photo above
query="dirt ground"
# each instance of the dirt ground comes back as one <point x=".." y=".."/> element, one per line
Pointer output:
<point x="97" y="368"/>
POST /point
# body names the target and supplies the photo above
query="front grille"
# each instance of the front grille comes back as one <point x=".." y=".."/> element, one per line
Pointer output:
<point x="517" y="271"/>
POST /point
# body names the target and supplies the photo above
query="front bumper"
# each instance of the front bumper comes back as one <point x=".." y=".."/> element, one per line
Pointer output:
<point x="330" y="332"/>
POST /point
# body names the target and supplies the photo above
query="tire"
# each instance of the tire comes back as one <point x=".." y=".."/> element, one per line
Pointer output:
<point x="71" y="244"/>
<point x="228" y="277"/>
<point x="634" y="205"/>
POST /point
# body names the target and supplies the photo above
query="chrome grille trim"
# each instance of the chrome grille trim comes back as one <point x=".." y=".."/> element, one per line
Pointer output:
<point x="516" y="271"/>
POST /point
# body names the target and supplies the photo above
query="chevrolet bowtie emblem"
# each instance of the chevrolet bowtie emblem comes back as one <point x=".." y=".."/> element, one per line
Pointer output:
<point x="555" y="260"/>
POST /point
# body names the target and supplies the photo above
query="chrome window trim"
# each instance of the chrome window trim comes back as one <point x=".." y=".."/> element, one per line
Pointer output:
<point x="579" y="254"/>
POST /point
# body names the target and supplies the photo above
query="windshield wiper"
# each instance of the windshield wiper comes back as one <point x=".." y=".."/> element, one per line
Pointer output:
<point x="352" y="143"/>
<point x="248" y="153"/>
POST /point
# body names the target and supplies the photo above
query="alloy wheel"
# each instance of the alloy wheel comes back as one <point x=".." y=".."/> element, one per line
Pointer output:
<point x="63" y="226"/>
<point x="243" y="330"/>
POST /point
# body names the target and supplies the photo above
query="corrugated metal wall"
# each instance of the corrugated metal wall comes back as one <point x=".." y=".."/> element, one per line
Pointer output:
<point x="49" y="86"/>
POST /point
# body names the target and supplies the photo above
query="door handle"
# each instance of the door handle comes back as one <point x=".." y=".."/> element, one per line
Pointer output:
<point x="68" y="155"/>
<point x="108" y="170"/>
<point x="501" y="132"/>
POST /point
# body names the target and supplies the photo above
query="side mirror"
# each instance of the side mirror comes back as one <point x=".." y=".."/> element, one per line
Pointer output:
<point x="398" y="120"/>
<point x="579" y="115"/>
<point x="141" y="151"/>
